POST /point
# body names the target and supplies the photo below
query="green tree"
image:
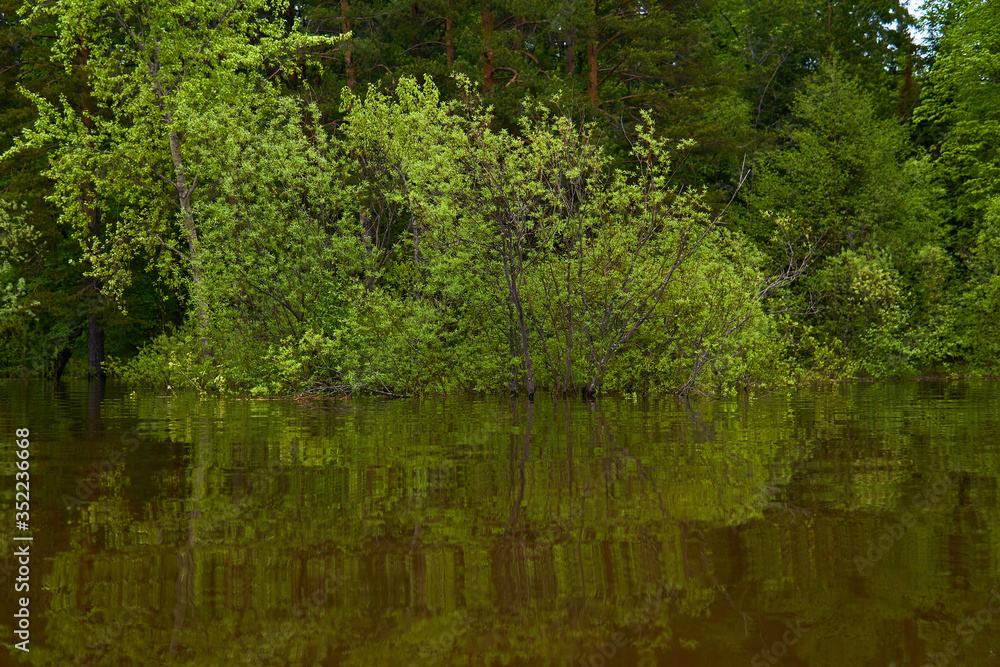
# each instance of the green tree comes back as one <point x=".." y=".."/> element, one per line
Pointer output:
<point x="959" y="111"/>
<point x="852" y="193"/>
<point x="960" y="99"/>
<point x="69" y="303"/>
<point x="169" y="84"/>
<point x="779" y="44"/>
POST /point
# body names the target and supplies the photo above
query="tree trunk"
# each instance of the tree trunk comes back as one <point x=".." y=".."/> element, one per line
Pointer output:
<point x="515" y="351"/>
<point x="59" y="367"/>
<point x="62" y="357"/>
<point x="95" y="346"/>
<point x="906" y="92"/>
<point x="486" y="22"/>
<point x="194" y="252"/>
<point x="514" y="289"/>
<point x="449" y="35"/>
<point x="592" y="58"/>
<point x="95" y="336"/>
<point x="345" y="27"/>
<point x="568" y="377"/>
<point x="570" y="53"/>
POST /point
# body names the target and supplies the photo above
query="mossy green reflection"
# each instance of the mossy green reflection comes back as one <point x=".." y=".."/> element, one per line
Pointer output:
<point x="491" y="531"/>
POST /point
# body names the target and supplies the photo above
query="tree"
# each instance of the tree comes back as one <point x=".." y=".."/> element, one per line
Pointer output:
<point x="620" y="244"/>
<point x="849" y="188"/>
<point x="581" y="258"/>
<point x="68" y="303"/>
<point x="169" y="83"/>
<point x="960" y="118"/>
<point x="781" y="43"/>
<point x="961" y="100"/>
<point x="841" y="169"/>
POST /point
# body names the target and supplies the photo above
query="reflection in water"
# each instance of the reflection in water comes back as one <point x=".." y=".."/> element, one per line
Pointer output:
<point x="843" y="525"/>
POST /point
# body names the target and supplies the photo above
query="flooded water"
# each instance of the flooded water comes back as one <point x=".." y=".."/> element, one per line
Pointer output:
<point x="848" y="525"/>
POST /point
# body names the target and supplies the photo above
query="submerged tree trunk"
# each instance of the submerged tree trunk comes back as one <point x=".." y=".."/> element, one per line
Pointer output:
<point x="95" y="346"/>
<point x="514" y="289"/>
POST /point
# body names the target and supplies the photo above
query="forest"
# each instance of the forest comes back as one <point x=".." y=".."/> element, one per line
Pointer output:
<point x="572" y="196"/>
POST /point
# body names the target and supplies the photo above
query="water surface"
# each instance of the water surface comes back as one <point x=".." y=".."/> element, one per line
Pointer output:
<point x="853" y="524"/>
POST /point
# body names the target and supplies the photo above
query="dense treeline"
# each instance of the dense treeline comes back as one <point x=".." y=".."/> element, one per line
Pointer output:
<point x="406" y="197"/>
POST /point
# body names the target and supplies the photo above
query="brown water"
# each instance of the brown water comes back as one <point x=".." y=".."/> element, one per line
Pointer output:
<point x="846" y="525"/>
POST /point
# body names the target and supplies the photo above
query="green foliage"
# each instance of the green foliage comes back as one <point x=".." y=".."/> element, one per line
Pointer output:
<point x="864" y="309"/>
<point x="980" y="302"/>
<point x="15" y="238"/>
<point x="961" y="101"/>
<point x="961" y="109"/>
<point x="446" y="231"/>
<point x="841" y="173"/>
<point x="171" y="361"/>
<point x="877" y="294"/>
<point x="418" y="249"/>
